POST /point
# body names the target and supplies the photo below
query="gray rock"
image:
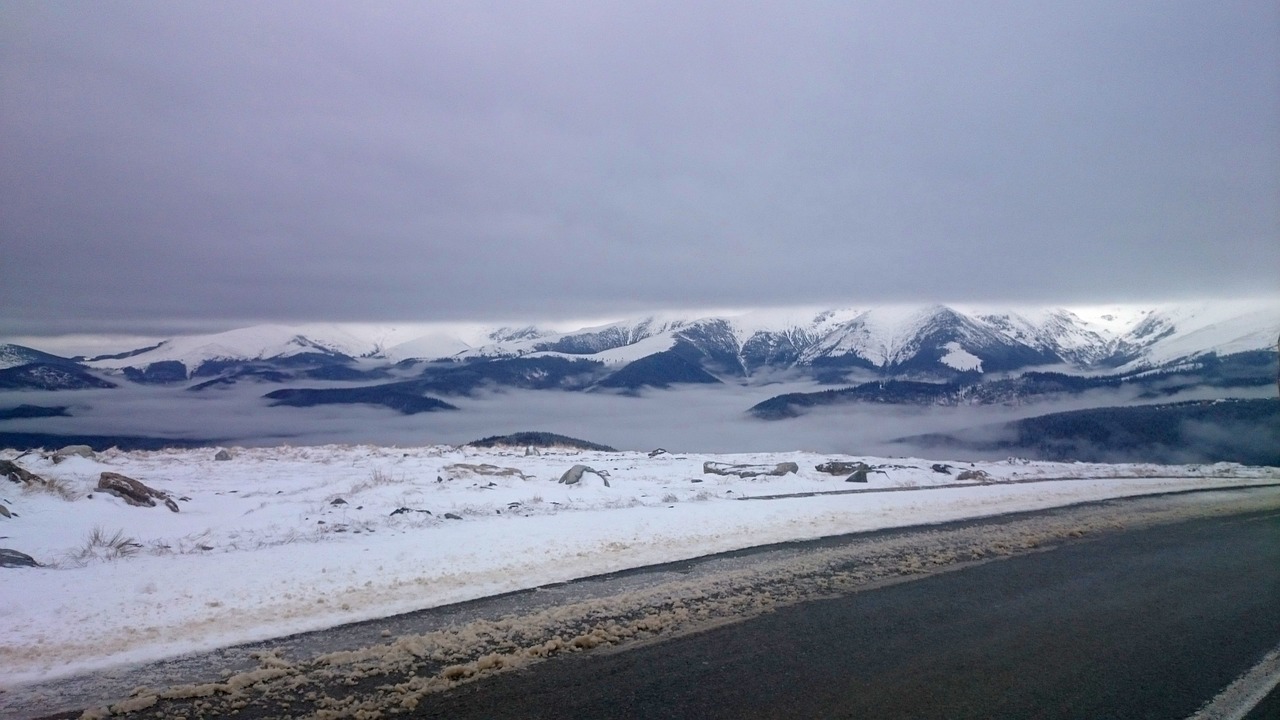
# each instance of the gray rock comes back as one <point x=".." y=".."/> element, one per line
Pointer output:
<point x="748" y="471"/>
<point x="83" y="451"/>
<point x="222" y="454"/>
<point x="14" y="559"/>
<point x="4" y="511"/>
<point x="838" y="467"/>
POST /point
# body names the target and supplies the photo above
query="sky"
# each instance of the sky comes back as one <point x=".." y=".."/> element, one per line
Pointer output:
<point x="170" y="167"/>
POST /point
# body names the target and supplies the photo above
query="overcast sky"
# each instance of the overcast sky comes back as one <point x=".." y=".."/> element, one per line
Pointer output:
<point x="166" y="165"/>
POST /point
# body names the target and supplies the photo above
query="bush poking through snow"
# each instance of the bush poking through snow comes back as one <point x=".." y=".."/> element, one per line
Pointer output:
<point x="101" y="546"/>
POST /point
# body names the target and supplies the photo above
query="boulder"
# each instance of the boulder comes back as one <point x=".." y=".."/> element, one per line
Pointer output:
<point x="222" y="454"/>
<point x="83" y="451"/>
<point x="941" y="468"/>
<point x="133" y="491"/>
<point x="979" y="475"/>
<point x="748" y="471"/>
<point x="573" y="475"/>
<point x="838" y="467"/>
<point x="18" y="474"/>
<point x="14" y="559"/>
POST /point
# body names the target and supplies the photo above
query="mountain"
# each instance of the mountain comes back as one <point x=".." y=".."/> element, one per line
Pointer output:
<point x="843" y="347"/>
<point x="50" y="376"/>
<point x="659" y="370"/>
<point x="24" y="368"/>
<point x="12" y="356"/>
<point x="1243" y="431"/>
<point x="1253" y="369"/>
<point x="180" y="358"/>
<point x="931" y="343"/>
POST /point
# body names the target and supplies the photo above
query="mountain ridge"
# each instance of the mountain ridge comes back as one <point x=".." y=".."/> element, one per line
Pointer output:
<point x="836" y="346"/>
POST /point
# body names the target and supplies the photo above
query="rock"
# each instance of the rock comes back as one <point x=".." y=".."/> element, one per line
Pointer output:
<point x="83" y="451"/>
<point x="980" y="475"/>
<point x="464" y="469"/>
<point x="940" y="468"/>
<point x="747" y="471"/>
<point x="19" y="475"/>
<point x="338" y="501"/>
<point x="658" y="451"/>
<point x="403" y="510"/>
<point x="14" y="559"/>
<point x="573" y="475"/>
<point x="222" y="454"/>
<point x="836" y="467"/>
<point x="133" y="491"/>
<point x="857" y="470"/>
<point x="4" y="511"/>
<point x="451" y="516"/>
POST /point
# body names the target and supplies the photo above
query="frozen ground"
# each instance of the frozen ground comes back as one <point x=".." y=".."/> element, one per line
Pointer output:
<point x="287" y="539"/>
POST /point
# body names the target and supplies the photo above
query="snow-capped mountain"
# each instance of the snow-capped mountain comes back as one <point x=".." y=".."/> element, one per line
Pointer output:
<point x="928" y="343"/>
<point x="924" y="341"/>
<point x="260" y="342"/>
<point x="12" y="356"/>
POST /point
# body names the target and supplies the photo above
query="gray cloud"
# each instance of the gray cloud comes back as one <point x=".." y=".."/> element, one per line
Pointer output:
<point x="190" y="163"/>
<point x="691" y="419"/>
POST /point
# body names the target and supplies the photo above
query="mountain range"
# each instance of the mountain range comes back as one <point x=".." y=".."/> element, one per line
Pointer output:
<point x="918" y="354"/>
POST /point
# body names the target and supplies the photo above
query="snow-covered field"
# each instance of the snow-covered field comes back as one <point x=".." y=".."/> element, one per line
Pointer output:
<point x="287" y="539"/>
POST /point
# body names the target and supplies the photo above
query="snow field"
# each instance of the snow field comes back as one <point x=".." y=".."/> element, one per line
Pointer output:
<point x="263" y="548"/>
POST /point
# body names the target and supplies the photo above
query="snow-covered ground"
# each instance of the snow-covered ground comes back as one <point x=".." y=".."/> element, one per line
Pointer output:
<point x="287" y="539"/>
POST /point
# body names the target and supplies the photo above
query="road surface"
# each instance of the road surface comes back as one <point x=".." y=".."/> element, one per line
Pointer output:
<point x="1144" y="624"/>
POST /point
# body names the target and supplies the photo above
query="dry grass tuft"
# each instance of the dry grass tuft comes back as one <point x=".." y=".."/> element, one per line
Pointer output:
<point x="103" y="546"/>
<point x="53" y="486"/>
<point x="377" y="478"/>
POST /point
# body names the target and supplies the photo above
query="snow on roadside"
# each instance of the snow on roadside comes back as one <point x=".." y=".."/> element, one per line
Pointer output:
<point x="283" y="540"/>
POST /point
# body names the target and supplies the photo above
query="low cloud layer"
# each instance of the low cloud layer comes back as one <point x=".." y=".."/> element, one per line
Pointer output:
<point x="172" y="166"/>
<point x="691" y="419"/>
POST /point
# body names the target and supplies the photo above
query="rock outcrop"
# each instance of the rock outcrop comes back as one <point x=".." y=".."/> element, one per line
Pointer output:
<point x="16" y="473"/>
<point x="133" y="491"/>
<point x="747" y="471"/>
<point x="14" y="559"/>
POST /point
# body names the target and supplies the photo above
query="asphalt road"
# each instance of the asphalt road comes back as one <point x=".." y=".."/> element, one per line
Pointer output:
<point x="1142" y="624"/>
